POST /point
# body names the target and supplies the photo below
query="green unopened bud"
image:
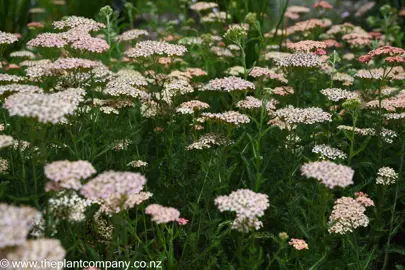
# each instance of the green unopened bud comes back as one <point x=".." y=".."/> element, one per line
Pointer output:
<point x="352" y="104"/>
<point x="190" y="21"/>
<point x="129" y="5"/>
<point x="283" y="236"/>
<point x="250" y="18"/>
<point x="207" y="38"/>
<point x="235" y="33"/>
<point x="385" y="9"/>
<point x="106" y="11"/>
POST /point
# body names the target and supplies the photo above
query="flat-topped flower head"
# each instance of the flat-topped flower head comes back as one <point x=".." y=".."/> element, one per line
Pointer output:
<point x="266" y="73"/>
<point x="298" y="244"/>
<point x="207" y="141"/>
<point x="78" y="22"/>
<point x="189" y="107"/>
<point x="308" y="116"/>
<point x="11" y="78"/>
<point x="328" y="152"/>
<point x="113" y="183"/>
<point x="155" y="48"/>
<point x="36" y="251"/>
<point x="386" y="176"/>
<point x="5" y="141"/>
<point x="68" y="174"/>
<point x="337" y="94"/>
<point x="161" y="214"/>
<point x="347" y="215"/>
<point x="228" y="84"/>
<point x="230" y="117"/>
<point x="131" y="35"/>
<point x="247" y="205"/>
<point x="68" y="206"/>
<point x="384" y="50"/>
<point x="323" y="4"/>
<point x="22" y="54"/>
<point x="328" y="173"/>
<point x="200" y="6"/>
<point x="15" y="224"/>
<point x="48" y="40"/>
<point x="299" y="60"/>
<point x="7" y="38"/>
<point x="306" y="45"/>
<point x="46" y="108"/>
<point x="91" y="44"/>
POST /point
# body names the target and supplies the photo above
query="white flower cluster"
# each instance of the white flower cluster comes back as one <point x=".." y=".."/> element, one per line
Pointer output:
<point x="10" y="78"/>
<point x="7" y="38"/>
<point x="248" y="205"/>
<point x="328" y="152"/>
<point x="207" y="141"/>
<point x="68" y="206"/>
<point x="347" y="215"/>
<point x="36" y="251"/>
<point x="328" y="173"/>
<point x="299" y="60"/>
<point x="131" y="35"/>
<point x="5" y="141"/>
<point x="149" y="48"/>
<point x="15" y="224"/>
<point x="78" y="22"/>
<point x="189" y="107"/>
<point x="161" y="214"/>
<point x="137" y="163"/>
<point x="22" y="54"/>
<point x="387" y="135"/>
<point x="228" y="84"/>
<point x="46" y="108"/>
<point x="267" y="74"/>
<point x="336" y="94"/>
<point x="308" y="116"/>
<point x="21" y="88"/>
<point x="229" y="117"/>
<point x="386" y="176"/>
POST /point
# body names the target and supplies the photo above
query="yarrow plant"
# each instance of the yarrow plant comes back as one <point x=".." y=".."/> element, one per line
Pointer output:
<point x="157" y="132"/>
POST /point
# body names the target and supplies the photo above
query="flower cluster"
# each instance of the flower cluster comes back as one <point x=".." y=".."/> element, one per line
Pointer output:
<point x="207" y="141"/>
<point x="328" y="173"/>
<point x="230" y="117"/>
<point x="347" y="215"/>
<point x="228" y="84"/>
<point x="161" y="214"/>
<point x="337" y="94"/>
<point x="328" y="152"/>
<point x="308" y="116"/>
<point x="155" y="48"/>
<point x="299" y="60"/>
<point x="67" y="174"/>
<point x="386" y="176"/>
<point x="248" y="205"/>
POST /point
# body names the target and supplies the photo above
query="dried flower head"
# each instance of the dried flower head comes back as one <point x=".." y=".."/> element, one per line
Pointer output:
<point x="5" y="141"/>
<point x="161" y="214"/>
<point x="330" y="174"/>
